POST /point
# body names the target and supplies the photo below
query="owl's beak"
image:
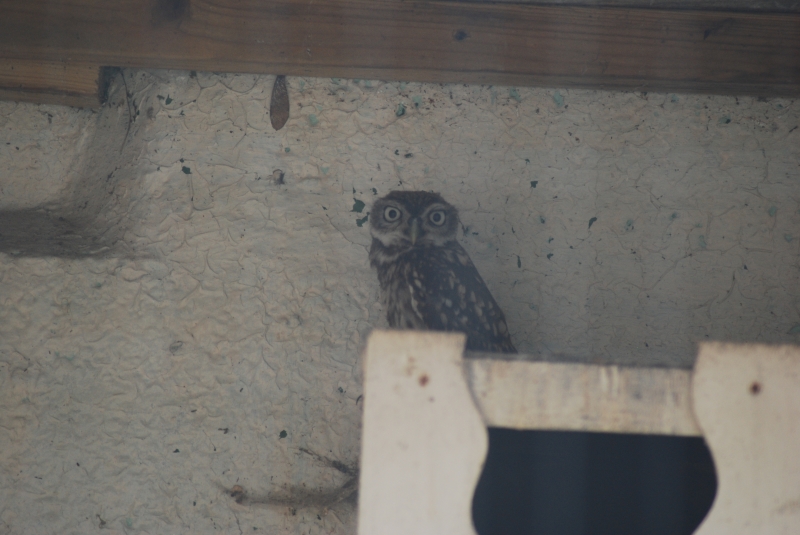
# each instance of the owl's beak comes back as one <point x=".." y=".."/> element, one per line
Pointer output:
<point x="414" y="230"/>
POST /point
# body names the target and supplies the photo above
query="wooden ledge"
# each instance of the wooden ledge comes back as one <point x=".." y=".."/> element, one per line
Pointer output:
<point x="51" y="82"/>
<point x="721" y="52"/>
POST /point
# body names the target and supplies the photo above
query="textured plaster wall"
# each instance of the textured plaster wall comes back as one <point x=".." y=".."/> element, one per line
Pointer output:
<point x="183" y="308"/>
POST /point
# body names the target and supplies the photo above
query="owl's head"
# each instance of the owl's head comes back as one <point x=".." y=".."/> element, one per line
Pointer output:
<point x="413" y="218"/>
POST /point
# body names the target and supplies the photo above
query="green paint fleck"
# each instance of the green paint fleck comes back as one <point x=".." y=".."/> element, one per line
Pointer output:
<point x="532" y="306"/>
<point x="302" y="85"/>
<point x="282" y="434"/>
<point x="698" y="225"/>
<point x="417" y="101"/>
<point x="402" y="86"/>
<point x="358" y="206"/>
<point x="513" y="93"/>
<point x="549" y="256"/>
<point x="168" y="101"/>
<point x="726" y="119"/>
<point x="335" y="81"/>
<point x="312" y="120"/>
<point x="324" y="170"/>
<point x="519" y="262"/>
<point x="674" y="215"/>
<point x="368" y="84"/>
<point x="550" y="239"/>
<point x="773" y="210"/>
<point x="674" y="98"/>
<point x="401" y="110"/>
<point x="287" y="149"/>
<point x="360" y="222"/>
<point x="591" y="221"/>
<point x="97" y="285"/>
<point x="159" y="97"/>
<point x="629" y="224"/>
<point x="701" y="240"/>
<point x="541" y="219"/>
<point x="70" y="358"/>
<point x="129" y="522"/>
<point x="558" y="99"/>
<point x="795" y="329"/>
<point x="374" y="191"/>
<point x="788" y="238"/>
<point x="186" y="170"/>
<point x="534" y="183"/>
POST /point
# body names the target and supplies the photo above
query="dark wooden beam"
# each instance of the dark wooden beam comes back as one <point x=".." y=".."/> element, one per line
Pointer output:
<point x="46" y="82"/>
<point x="762" y="6"/>
<point x="515" y="44"/>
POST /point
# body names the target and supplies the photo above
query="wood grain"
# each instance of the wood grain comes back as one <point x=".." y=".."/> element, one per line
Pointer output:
<point x="514" y="44"/>
<point x="47" y="82"/>
<point x="763" y="6"/>
<point x="581" y="397"/>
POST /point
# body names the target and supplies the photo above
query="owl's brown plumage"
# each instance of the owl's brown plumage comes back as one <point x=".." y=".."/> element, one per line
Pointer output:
<point x="427" y="278"/>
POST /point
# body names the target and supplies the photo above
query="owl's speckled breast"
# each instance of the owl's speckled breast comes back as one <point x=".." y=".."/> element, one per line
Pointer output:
<point x="439" y="288"/>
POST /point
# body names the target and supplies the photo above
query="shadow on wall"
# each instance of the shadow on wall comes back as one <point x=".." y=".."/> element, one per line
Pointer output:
<point x="84" y="223"/>
<point x="44" y="233"/>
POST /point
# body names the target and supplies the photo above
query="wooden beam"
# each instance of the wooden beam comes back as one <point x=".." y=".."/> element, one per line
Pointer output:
<point x="514" y="44"/>
<point x="763" y="6"/>
<point x="582" y="397"/>
<point x="747" y="401"/>
<point x="423" y="441"/>
<point x="48" y="82"/>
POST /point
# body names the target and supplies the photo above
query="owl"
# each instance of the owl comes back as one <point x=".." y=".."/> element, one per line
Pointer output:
<point x="427" y="279"/>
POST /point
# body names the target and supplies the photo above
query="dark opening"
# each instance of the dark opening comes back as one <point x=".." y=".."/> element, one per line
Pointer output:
<point x="570" y="483"/>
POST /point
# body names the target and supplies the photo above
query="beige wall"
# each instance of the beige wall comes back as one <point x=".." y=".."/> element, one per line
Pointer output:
<point x="198" y="308"/>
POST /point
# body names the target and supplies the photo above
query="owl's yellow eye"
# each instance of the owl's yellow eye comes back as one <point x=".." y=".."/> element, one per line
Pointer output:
<point x="437" y="217"/>
<point x="391" y="214"/>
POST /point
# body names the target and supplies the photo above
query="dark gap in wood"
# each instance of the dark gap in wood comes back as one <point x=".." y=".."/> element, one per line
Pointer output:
<point x="577" y="483"/>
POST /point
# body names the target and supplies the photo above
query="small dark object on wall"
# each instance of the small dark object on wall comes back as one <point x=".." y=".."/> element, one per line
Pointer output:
<point x="279" y="104"/>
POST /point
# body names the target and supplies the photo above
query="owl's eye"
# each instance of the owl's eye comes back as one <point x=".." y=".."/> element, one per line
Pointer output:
<point x="437" y="217"/>
<point x="391" y="214"/>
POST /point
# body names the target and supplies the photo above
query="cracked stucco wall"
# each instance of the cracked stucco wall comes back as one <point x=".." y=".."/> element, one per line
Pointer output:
<point x="198" y="324"/>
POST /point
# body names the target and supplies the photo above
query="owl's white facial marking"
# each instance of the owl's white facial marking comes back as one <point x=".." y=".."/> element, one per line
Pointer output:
<point x="402" y="222"/>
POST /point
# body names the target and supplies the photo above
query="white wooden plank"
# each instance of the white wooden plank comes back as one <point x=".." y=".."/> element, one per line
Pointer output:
<point x="747" y="400"/>
<point x="423" y="442"/>
<point x="582" y="397"/>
